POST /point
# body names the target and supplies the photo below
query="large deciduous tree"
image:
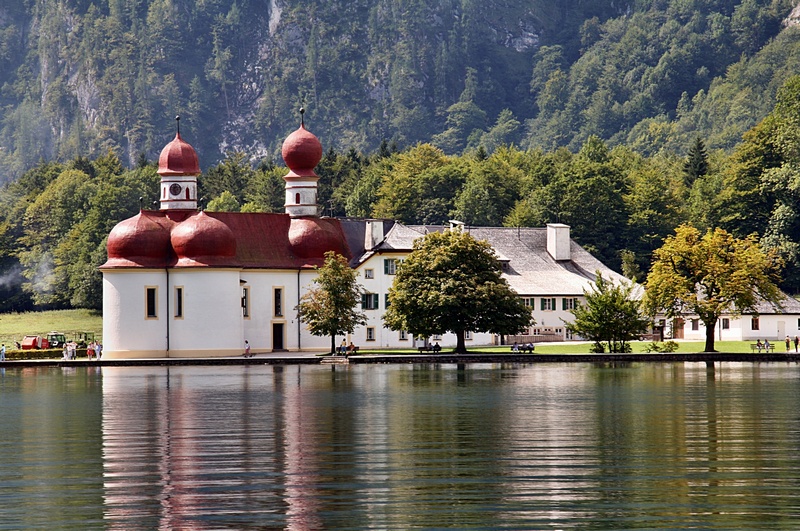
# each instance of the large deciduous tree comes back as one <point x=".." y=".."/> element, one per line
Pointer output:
<point x="330" y="307"/>
<point x="611" y="317"/>
<point x="710" y="274"/>
<point x="452" y="282"/>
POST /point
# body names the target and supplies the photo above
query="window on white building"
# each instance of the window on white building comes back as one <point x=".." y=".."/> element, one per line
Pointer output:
<point x="754" y="324"/>
<point x="527" y="301"/>
<point x="277" y="298"/>
<point x="390" y="265"/>
<point x="370" y="333"/>
<point x="726" y="323"/>
<point x="369" y="301"/>
<point x="403" y="335"/>
<point x="178" y="302"/>
<point x="468" y="336"/>
<point x="369" y="273"/>
<point x="568" y="303"/>
<point x="151" y="302"/>
<point x="695" y="324"/>
<point x="246" y="302"/>
<point x="548" y="304"/>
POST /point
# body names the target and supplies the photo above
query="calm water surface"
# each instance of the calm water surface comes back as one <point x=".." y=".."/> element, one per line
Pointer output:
<point x="552" y="447"/>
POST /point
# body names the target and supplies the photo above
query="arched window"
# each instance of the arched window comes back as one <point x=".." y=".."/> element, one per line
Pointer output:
<point x="297" y="198"/>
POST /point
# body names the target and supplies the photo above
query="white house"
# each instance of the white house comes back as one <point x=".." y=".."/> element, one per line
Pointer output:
<point x="185" y="283"/>
<point x="771" y="322"/>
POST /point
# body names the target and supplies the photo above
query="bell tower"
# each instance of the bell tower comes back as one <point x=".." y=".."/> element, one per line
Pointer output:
<point x="178" y="167"/>
<point x="301" y="151"/>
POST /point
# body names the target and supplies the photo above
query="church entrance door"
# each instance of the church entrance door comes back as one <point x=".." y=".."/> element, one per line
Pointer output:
<point x="277" y="336"/>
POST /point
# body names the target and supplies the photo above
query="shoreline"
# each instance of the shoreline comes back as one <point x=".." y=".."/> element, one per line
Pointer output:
<point x="449" y="358"/>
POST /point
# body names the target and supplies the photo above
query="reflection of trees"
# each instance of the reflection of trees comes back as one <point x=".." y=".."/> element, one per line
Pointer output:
<point x="443" y="445"/>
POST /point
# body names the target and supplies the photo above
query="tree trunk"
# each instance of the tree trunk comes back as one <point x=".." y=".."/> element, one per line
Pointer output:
<point x="333" y="344"/>
<point x="710" y="327"/>
<point x="461" y="346"/>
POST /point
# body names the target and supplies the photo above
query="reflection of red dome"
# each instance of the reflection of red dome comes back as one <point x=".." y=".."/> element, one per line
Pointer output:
<point x="312" y="237"/>
<point x="203" y="240"/>
<point x="302" y="151"/>
<point x="139" y="241"/>
<point x="178" y="158"/>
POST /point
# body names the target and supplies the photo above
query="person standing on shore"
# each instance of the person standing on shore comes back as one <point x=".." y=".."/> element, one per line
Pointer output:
<point x="246" y="349"/>
<point x="3" y="352"/>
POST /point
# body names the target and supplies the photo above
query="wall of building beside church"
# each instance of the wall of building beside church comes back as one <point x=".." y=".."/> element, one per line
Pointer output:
<point x="774" y="327"/>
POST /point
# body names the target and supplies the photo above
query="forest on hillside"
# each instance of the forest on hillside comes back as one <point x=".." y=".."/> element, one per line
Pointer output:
<point x="82" y="77"/>
<point x="621" y="119"/>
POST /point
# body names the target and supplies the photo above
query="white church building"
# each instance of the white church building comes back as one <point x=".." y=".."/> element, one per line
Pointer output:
<point x="180" y="282"/>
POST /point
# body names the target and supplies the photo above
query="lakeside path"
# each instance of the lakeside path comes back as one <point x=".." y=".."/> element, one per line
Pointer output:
<point x="315" y="358"/>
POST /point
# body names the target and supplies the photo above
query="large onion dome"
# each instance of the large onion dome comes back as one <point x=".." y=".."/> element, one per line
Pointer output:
<point x="313" y="237"/>
<point x="202" y="240"/>
<point x="140" y="241"/>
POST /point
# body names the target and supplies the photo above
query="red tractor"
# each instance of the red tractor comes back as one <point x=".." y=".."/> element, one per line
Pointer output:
<point x="52" y="340"/>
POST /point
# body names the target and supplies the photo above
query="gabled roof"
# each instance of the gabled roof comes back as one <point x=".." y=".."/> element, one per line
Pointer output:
<point x="529" y="268"/>
<point x="401" y="238"/>
<point x="532" y="271"/>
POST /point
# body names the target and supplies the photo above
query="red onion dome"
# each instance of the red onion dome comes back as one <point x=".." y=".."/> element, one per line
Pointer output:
<point x="139" y="241"/>
<point x="302" y="151"/>
<point x="313" y="237"/>
<point x="178" y="158"/>
<point x="202" y="240"/>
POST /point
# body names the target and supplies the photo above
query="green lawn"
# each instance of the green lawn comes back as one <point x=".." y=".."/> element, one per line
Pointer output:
<point x="14" y="326"/>
<point x="583" y="348"/>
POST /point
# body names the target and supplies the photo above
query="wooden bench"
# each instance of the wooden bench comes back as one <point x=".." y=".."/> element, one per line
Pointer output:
<point x="524" y="348"/>
<point x="755" y="348"/>
<point x="430" y="348"/>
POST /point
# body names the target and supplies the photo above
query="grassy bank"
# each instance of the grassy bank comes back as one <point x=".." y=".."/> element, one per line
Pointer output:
<point x="583" y="348"/>
<point x="14" y="326"/>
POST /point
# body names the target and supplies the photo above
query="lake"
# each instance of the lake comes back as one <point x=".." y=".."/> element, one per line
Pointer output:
<point x="477" y="446"/>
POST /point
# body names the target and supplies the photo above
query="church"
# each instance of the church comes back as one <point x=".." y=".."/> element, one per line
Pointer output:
<point x="182" y="282"/>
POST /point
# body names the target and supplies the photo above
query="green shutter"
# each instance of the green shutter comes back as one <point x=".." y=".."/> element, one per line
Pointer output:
<point x="542" y="304"/>
<point x="386" y="301"/>
<point x="363" y="301"/>
<point x="385" y="266"/>
<point x="564" y="304"/>
<point x="375" y="299"/>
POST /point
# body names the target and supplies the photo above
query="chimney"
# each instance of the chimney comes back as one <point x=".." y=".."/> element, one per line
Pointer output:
<point x="558" y="241"/>
<point x="373" y="233"/>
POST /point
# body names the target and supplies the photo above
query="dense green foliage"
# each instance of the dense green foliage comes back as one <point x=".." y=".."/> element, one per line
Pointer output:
<point x="452" y="282"/>
<point x="710" y="274"/>
<point x="611" y="316"/>
<point x="81" y="77"/>
<point x="329" y="307"/>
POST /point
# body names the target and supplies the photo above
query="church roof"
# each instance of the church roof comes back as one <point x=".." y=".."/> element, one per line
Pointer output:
<point x="159" y="239"/>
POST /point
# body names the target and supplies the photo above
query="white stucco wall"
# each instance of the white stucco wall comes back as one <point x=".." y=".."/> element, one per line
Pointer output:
<point x="211" y="324"/>
<point x="772" y="327"/>
<point x="127" y="332"/>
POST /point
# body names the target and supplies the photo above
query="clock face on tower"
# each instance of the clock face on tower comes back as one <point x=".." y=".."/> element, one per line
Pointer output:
<point x="175" y="189"/>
